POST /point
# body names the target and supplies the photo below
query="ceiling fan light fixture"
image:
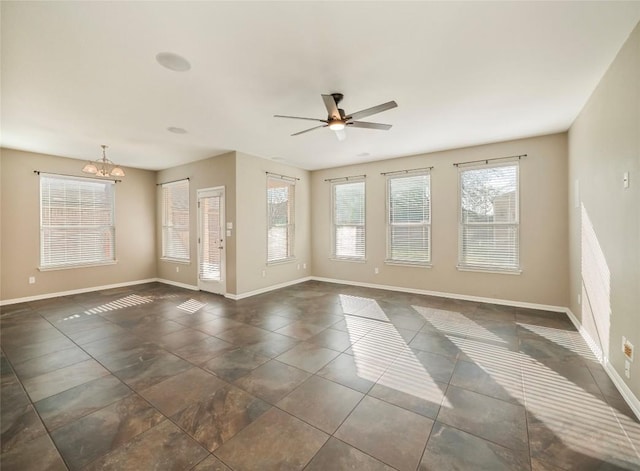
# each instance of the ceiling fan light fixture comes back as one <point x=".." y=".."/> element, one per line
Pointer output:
<point x="336" y="125"/>
<point x="337" y="120"/>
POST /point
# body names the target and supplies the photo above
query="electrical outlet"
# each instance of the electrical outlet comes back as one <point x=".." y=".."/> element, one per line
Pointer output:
<point x="177" y="269"/>
<point x="264" y="273"/>
<point x="304" y="266"/>
<point x="376" y="270"/>
<point x="625" y="180"/>
<point x="627" y="369"/>
<point x="32" y="280"/>
<point x="298" y="266"/>
<point x="628" y="350"/>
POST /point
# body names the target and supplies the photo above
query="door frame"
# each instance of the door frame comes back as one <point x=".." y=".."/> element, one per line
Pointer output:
<point x="221" y="286"/>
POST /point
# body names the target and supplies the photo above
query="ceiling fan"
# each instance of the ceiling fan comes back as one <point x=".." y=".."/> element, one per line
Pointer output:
<point x="337" y="120"/>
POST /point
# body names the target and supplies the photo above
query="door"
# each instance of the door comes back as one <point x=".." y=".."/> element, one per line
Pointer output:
<point x="211" y="240"/>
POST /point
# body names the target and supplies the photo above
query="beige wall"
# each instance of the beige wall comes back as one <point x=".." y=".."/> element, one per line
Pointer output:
<point x="251" y="225"/>
<point x="135" y="221"/>
<point x="244" y="179"/>
<point x="209" y="173"/>
<point x="543" y="228"/>
<point x="604" y="142"/>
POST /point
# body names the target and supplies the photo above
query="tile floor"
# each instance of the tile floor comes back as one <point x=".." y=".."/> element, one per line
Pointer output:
<point x="316" y="376"/>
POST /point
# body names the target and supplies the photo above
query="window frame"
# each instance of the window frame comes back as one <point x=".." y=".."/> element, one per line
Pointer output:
<point x="111" y="227"/>
<point x="291" y="223"/>
<point x="389" y="257"/>
<point x="334" y="255"/>
<point x="497" y="268"/>
<point x="165" y="228"/>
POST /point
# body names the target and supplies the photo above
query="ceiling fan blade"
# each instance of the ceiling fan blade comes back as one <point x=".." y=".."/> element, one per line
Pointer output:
<point x="310" y="129"/>
<point x="332" y="108"/>
<point x="299" y="117"/>
<point x="373" y="110"/>
<point x="341" y="135"/>
<point x="364" y="124"/>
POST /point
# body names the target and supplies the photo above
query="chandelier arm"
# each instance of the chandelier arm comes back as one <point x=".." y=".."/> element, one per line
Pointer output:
<point x="103" y="167"/>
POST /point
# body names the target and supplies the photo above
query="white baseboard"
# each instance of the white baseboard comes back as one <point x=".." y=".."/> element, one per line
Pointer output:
<point x="462" y="297"/>
<point x="622" y="387"/>
<point x="7" y="302"/>
<point x="248" y="294"/>
<point x="593" y="345"/>
<point x="38" y="297"/>
<point x="624" y="390"/>
<point x="178" y="284"/>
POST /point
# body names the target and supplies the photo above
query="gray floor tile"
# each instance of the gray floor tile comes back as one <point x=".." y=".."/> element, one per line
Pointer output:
<point x="450" y="448"/>
<point x="392" y="435"/>
<point x="495" y="420"/>
<point x="321" y="403"/>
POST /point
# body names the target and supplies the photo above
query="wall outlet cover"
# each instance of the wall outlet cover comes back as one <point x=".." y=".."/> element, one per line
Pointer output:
<point x="628" y="350"/>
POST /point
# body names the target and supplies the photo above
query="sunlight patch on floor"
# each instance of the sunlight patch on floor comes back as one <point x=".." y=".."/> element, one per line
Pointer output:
<point x="582" y="420"/>
<point x="127" y="301"/>
<point x="446" y="322"/>
<point x="562" y="338"/>
<point x="383" y="355"/>
<point x="362" y="307"/>
<point x="191" y="306"/>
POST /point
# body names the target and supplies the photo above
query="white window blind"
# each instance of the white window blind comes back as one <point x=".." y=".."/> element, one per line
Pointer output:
<point x="280" y="219"/>
<point x="76" y="221"/>
<point x="349" y="220"/>
<point x="409" y="218"/>
<point x="489" y="217"/>
<point x="211" y="232"/>
<point x="175" y="221"/>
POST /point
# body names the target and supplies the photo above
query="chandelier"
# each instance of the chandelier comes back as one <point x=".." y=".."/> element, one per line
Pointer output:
<point x="103" y="167"/>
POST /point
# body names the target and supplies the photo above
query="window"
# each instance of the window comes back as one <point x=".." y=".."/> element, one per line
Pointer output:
<point x="76" y="221"/>
<point x="489" y="218"/>
<point x="409" y="219"/>
<point x="280" y="219"/>
<point x="349" y="220"/>
<point x="175" y="221"/>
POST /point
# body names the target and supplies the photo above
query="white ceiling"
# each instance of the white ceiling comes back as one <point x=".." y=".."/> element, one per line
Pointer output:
<point x="79" y="74"/>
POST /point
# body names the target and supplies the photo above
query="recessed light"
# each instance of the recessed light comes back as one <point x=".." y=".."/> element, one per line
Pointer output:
<point x="176" y="130"/>
<point x="173" y="61"/>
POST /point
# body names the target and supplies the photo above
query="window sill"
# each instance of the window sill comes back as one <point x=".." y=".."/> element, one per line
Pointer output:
<point x="400" y="263"/>
<point x="284" y="261"/>
<point x="346" y="259"/>
<point x="175" y="260"/>
<point x="496" y="271"/>
<point x="78" y="265"/>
